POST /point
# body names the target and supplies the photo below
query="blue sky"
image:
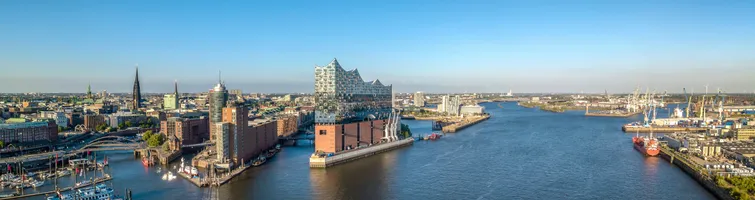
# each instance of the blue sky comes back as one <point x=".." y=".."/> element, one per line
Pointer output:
<point x="432" y="46"/>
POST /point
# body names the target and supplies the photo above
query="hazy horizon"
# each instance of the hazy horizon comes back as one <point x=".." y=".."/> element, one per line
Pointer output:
<point x="470" y="46"/>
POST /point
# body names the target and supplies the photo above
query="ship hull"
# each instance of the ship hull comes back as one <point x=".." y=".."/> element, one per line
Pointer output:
<point x="645" y="151"/>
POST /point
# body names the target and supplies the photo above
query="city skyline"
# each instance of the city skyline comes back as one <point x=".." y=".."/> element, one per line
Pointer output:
<point x="474" y="46"/>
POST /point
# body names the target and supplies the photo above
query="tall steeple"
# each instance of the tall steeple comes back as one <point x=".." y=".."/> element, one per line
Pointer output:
<point x="175" y="85"/>
<point x="136" y="94"/>
<point x="89" y="91"/>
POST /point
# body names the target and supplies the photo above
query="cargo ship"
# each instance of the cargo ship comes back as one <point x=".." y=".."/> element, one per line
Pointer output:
<point x="646" y="145"/>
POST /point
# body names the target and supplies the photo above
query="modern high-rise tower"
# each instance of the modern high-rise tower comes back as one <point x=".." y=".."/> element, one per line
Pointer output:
<point x="136" y="94"/>
<point x="419" y="99"/>
<point x="218" y="99"/>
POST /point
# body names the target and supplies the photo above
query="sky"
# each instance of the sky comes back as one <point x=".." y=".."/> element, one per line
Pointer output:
<point x="432" y="46"/>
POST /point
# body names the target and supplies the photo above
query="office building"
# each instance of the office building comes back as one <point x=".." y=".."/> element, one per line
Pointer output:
<point x="222" y="141"/>
<point x="419" y="99"/>
<point x="444" y="104"/>
<point x="29" y="132"/>
<point x="287" y="125"/>
<point x="454" y="105"/>
<point x="349" y="111"/>
<point x="472" y="110"/>
<point x="185" y="131"/>
<point x="91" y="122"/>
<point x="237" y="118"/>
<point x="218" y="97"/>
<point x="170" y="101"/>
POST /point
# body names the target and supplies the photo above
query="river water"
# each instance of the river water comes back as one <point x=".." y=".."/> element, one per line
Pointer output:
<point x="519" y="153"/>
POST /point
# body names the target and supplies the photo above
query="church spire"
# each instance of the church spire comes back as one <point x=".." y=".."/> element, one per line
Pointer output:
<point x="136" y="94"/>
<point x="89" y="90"/>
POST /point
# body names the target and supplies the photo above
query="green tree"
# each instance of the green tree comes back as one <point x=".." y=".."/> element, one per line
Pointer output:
<point x="156" y="140"/>
<point x="2" y="144"/>
<point x="128" y="124"/>
<point x="121" y="126"/>
<point x="102" y="127"/>
<point x="146" y="135"/>
<point x="405" y="131"/>
<point x="60" y="129"/>
<point x="166" y="146"/>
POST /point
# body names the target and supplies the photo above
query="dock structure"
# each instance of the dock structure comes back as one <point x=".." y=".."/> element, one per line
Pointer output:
<point x="346" y="156"/>
<point x="695" y="171"/>
<point x="96" y="181"/>
<point x="597" y="114"/>
<point x="452" y="128"/>
<point x="642" y="129"/>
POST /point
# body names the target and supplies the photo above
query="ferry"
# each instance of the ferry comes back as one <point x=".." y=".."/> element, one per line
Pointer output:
<point x="98" y="192"/>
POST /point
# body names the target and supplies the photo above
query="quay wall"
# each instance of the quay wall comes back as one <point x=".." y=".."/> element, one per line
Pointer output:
<point x="706" y="181"/>
<point x="463" y="124"/>
<point x="632" y="129"/>
<point x="611" y="115"/>
<point x="317" y="162"/>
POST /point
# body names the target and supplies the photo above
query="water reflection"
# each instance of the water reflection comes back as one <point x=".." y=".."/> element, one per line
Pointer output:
<point x="367" y="178"/>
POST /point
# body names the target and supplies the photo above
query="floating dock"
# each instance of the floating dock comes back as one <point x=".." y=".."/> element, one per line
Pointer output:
<point x="463" y="124"/>
<point x="324" y="162"/>
<point x="642" y="129"/>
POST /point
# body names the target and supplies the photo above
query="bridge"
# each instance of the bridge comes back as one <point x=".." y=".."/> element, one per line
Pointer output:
<point x="297" y="137"/>
<point x="106" y="143"/>
<point x="207" y="143"/>
<point x="109" y="143"/>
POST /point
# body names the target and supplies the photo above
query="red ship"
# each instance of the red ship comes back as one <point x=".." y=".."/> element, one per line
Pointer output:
<point x="145" y="162"/>
<point x="646" y="146"/>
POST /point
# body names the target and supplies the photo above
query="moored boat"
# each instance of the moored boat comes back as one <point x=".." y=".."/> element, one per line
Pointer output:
<point x="645" y="145"/>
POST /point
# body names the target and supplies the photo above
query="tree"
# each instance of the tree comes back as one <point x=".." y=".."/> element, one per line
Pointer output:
<point x="146" y="135"/>
<point x="2" y="144"/>
<point x="121" y="125"/>
<point x="166" y="146"/>
<point x="60" y="129"/>
<point x="405" y="131"/>
<point x="156" y="140"/>
<point x="128" y="124"/>
<point x="102" y="127"/>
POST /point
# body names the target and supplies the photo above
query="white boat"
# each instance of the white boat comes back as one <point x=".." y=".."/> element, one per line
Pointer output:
<point x="82" y="183"/>
<point x="194" y="171"/>
<point x="165" y="177"/>
<point x="171" y="176"/>
<point x="36" y="184"/>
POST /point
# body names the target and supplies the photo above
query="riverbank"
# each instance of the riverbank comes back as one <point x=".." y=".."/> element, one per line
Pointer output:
<point x="611" y="114"/>
<point x="695" y="171"/>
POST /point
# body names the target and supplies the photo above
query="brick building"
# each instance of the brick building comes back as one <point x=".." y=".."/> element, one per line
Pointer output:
<point x="185" y="131"/>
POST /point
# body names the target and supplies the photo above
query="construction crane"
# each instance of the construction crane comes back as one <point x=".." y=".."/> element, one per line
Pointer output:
<point x="689" y="100"/>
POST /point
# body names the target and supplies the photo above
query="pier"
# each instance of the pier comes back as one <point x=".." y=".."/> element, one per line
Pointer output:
<point x="642" y="129"/>
<point x="466" y="122"/>
<point x="347" y="156"/>
<point x="618" y="114"/>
